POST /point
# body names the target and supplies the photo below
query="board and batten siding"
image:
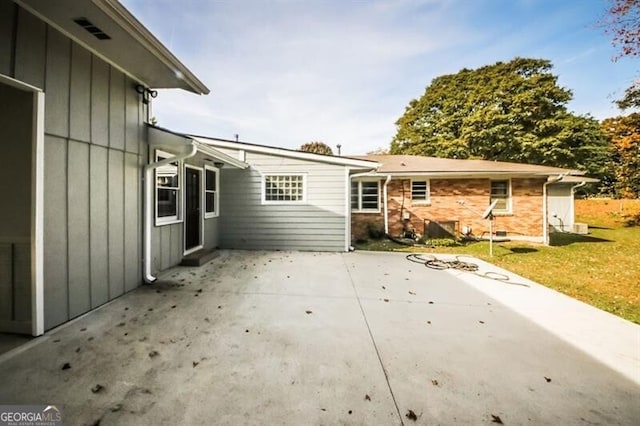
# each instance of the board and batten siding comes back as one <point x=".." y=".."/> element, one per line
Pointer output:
<point x="94" y="150"/>
<point x="319" y="223"/>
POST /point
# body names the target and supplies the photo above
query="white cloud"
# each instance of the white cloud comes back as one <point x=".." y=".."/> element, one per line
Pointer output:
<point x="287" y="72"/>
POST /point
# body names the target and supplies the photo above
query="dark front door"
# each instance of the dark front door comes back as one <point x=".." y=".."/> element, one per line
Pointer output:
<point x="192" y="209"/>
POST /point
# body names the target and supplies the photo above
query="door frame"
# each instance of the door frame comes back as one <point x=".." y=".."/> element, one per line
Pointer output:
<point x="37" y="200"/>
<point x="200" y="171"/>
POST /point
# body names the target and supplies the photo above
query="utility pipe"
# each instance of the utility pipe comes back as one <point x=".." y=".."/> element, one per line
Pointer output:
<point x="545" y="205"/>
<point x="148" y="202"/>
<point x="384" y="200"/>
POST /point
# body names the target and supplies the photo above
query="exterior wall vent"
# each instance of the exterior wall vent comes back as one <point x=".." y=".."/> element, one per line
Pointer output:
<point x="92" y="29"/>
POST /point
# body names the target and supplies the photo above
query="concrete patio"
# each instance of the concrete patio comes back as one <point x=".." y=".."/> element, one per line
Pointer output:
<point x="333" y="338"/>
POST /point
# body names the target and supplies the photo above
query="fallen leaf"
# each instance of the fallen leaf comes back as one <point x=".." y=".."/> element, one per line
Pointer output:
<point x="350" y="411"/>
<point x="153" y="354"/>
<point x="496" y="419"/>
<point x="481" y="322"/>
<point x="174" y="306"/>
<point x="386" y="300"/>
<point x="430" y="302"/>
<point x="412" y="293"/>
<point x="428" y="322"/>
<point x="195" y="363"/>
<point x="367" y="398"/>
<point x="97" y="388"/>
<point x="548" y="379"/>
<point x="309" y="312"/>
<point x="66" y="366"/>
<point x="384" y="288"/>
<point x="411" y="415"/>
<point x="434" y="382"/>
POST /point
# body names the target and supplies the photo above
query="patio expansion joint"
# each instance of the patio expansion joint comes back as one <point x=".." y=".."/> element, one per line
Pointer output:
<point x="373" y="341"/>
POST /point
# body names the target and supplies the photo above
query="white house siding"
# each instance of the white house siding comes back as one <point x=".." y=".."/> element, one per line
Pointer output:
<point x="94" y="150"/>
<point x="560" y="207"/>
<point x="317" y="224"/>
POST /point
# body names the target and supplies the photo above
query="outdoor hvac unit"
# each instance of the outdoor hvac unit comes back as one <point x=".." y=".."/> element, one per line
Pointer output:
<point x="440" y="228"/>
<point x="580" y="228"/>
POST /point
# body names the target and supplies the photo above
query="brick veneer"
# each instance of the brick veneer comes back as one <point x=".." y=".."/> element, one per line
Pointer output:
<point x="525" y="219"/>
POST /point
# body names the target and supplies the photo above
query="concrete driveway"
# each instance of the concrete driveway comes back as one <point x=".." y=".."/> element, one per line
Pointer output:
<point x="333" y="338"/>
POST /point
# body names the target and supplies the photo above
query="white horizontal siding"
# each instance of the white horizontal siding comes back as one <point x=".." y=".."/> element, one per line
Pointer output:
<point x="317" y="224"/>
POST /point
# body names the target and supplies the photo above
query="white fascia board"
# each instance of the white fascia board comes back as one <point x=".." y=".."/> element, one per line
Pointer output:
<point x="282" y="152"/>
<point x="467" y="175"/>
<point x="163" y="138"/>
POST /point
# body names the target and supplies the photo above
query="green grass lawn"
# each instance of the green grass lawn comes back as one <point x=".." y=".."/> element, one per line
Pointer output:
<point x="602" y="268"/>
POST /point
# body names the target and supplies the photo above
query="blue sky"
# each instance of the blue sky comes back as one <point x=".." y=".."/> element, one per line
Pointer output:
<point x="286" y="72"/>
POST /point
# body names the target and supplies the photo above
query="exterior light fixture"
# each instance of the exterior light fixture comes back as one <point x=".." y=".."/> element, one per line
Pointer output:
<point x="146" y="93"/>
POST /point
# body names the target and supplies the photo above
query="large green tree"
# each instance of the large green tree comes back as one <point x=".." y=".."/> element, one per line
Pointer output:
<point x="509" y="111"/>
<point x="624" y="134"/>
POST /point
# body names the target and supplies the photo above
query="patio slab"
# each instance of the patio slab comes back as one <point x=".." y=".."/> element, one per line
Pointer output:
<point x="314" y="338"/>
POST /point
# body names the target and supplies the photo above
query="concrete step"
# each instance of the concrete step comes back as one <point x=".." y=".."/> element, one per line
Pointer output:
<point x="199" y="257"/>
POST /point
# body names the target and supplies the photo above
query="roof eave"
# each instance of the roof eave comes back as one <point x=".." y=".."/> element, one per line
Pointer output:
<point x="342" y="161"/>
<point x="130" y="23"/>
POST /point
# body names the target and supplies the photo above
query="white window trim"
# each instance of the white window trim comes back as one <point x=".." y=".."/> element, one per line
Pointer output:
<point x="427" y="200"/>
<point x="169" y="220"/>
<point x="509" y="209"/>
<point x="282" y="203"/>
<point x="359" y="209"/>
<point x="216" y="198"/>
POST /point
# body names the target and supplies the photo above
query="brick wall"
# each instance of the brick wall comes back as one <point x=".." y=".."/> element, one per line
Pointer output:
<point x="525" y="219"/>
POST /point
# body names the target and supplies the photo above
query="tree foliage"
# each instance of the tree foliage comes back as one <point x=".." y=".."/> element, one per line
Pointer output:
<point x="622" y="23"/>
<point x="316" y="148"/>
<point x="624" y="134"/>
<point x="509" y="111"/>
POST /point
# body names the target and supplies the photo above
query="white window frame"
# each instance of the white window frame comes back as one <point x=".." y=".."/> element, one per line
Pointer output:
<point x="427" y="199"/>
<point x="263" y="185"/>
<point x="509" y="197"/>
<point x="177" y="218"/>
<point x="216" y="192"/>
<point x="359" y="208"/>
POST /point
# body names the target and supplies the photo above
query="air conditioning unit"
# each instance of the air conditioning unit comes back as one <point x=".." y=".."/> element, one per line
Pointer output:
<point x="580" y="228"/>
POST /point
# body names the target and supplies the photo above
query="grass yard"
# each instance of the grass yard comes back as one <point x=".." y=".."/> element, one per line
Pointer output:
<point x="602" y="268"/>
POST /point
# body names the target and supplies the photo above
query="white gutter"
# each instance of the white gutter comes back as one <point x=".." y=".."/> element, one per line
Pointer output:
<point x="545" y="205"/>
<point x="148" y="202"/>
<point x="384" y="200"/>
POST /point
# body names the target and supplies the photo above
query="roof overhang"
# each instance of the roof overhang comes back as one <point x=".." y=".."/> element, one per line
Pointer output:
<point x="131" y="47"/>
<point x="577" y="179"/>
<point x="465" y="175"/>
<point x="166" y="139"/>
<point x="289" y="153"/>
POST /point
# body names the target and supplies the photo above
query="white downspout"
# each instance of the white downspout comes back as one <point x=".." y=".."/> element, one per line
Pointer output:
<point x="545" y="205"/>
<point x="384" y="195"/>
<point x="148" y="203"/>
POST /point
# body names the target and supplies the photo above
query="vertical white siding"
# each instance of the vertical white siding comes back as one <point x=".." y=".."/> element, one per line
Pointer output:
<point x="94" y="147"/>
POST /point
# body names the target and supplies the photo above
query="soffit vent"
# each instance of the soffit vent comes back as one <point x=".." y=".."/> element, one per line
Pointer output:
<point x="95" y="31"/>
